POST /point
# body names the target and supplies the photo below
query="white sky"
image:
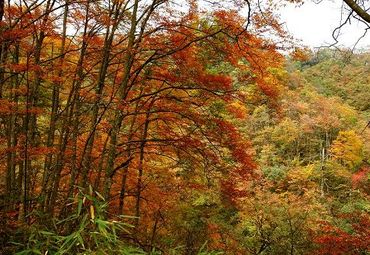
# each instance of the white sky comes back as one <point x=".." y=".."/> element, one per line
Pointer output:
<point x="314" y="23"/>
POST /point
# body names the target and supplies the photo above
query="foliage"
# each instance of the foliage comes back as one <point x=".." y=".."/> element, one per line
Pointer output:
<point x="188" y="119"/>
<point x="92" y="234"/>
<point x="347" y="148"/>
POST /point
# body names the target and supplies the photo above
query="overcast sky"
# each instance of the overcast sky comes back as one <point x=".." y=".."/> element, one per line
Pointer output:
<point x="314" y="23"/>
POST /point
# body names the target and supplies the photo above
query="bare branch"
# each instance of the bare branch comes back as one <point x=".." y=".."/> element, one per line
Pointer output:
<point x="358" y="9"/>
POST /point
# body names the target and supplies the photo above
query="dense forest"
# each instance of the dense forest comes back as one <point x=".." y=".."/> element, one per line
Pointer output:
<point x="178" y="127"/>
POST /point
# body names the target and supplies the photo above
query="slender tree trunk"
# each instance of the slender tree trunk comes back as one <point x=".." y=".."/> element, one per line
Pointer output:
<point x="32" y="137"/>
<point x="87" y="159"/>
<point x="71" y="116"/>
<point x="126" y="168"/>
<point x="12" y="135"/>
<point x="324" y="146"/>
<point x="23" y="173"/>
<point x="118" y="115"/>
<point x="55" y="100"/>
<point x="100" y="166"/>
<point x="141" y="167"/>
<point x="154" y="231"/>
<point x="87" y="156"/>
<point x="3" y="53"/>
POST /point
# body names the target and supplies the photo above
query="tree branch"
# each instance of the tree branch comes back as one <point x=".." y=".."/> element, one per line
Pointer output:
<point x="358" y="9"/>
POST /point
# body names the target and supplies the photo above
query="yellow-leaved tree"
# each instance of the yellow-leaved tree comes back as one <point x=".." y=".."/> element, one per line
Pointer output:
<point x="348" y="149"/>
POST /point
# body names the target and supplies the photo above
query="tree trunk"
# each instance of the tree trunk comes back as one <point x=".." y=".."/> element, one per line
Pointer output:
<point x="118" y="116"/>
<point x="139" y="184"/>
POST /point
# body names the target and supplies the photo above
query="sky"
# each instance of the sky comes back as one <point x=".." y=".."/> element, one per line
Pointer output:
<point x="314" y="23"/>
